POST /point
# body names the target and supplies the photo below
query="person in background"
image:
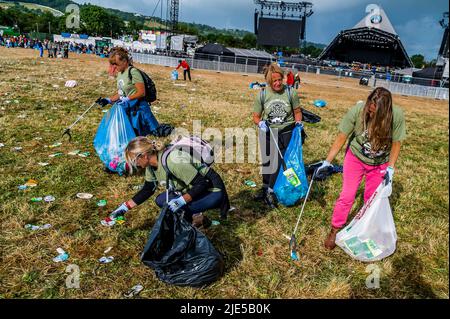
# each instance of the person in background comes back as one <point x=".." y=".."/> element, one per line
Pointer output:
<point x="375" y="129"/>
<point x="186" y="68"/>
<point x="297" y="80"/>
<point x="290" y="79"/>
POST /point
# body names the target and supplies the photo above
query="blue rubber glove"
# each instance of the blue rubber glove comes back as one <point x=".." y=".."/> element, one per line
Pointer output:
<point x="263" y="126"/>
<point x="176" y="204"/>
<point x="124" y="99"/>
<point x="103" y="101"/>
<point x="389" y="175"/>
<point x="120" y="211"/>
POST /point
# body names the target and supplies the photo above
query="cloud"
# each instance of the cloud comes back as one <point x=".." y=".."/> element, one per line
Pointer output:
<point x="421" y="36"/>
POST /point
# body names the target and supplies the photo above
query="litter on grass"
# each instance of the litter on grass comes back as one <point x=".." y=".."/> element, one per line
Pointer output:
<point x="31" y="183"/>
<point x="43" y="164"/>
<point x="63" y="256"/>
<point x="108" y="222"/>
<point x="101" y="203"/>
<point x="49" y="199"/>
<point x="55" y="154"/>
<point x="85" y="195"/>
<point x="134" y="291"/>
<point x="84" y="154"/>
<point x="55" y="145"/>
<point x="36" y="227"/>
<point x="106" y="260"/>
<point x="73" y="153"/>
<point x="71" y="83"/>
<point x="250" y="183"/>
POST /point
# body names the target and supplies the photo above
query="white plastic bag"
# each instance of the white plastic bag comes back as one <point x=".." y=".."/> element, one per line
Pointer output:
<point x="371" y="235"/>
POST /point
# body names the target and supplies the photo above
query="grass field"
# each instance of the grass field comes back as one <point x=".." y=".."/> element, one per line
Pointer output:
<point x="256" y="252"/>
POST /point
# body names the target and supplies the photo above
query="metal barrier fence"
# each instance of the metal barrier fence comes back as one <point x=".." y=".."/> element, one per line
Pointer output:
<point x="414" y="90"/>
<point x="396" y="84"/>
<point x="216" y="63"/>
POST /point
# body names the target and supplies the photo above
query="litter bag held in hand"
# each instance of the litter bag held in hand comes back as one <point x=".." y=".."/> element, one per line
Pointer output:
<point x="288" y="194"/>
<point x="371" y="235"/>
<point x="113" y="135"/>
<point x="180" y="254"/>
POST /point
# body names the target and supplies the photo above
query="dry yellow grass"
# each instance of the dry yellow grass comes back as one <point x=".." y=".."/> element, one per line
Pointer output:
<point x="418" y="269"/>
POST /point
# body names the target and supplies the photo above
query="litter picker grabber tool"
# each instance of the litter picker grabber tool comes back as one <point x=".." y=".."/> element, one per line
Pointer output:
<point x="278" y="148"/>
<point x="293" y="241"/>
<point x="67" y="130"/>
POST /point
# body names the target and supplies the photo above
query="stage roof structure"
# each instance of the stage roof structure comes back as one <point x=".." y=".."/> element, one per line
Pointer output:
<point x="373" y="40"/>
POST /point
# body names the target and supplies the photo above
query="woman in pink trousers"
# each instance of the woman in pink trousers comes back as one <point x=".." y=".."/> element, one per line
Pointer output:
<point x="375" y="130"/>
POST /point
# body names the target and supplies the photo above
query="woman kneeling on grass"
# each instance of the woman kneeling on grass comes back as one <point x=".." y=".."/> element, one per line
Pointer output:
<point x="197" y="188"/>
<point x="376" y="129"/>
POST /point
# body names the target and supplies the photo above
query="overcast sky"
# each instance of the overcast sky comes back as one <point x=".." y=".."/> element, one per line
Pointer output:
<point x="415" y="21"/>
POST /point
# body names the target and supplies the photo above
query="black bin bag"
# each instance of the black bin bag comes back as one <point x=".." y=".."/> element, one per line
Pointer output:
<point x="180" y="254"/>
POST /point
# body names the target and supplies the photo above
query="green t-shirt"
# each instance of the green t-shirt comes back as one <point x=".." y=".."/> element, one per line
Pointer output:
<point x="359" y="145"/>
<point x="181" y="166"/>
<point x="126" y="87"/>
<point x="277" y="107"/>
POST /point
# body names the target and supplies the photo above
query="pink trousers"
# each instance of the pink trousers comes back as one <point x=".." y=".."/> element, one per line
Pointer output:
<point x="354" y="171"/>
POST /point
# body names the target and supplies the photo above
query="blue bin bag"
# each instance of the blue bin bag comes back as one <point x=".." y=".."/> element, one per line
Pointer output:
<point x="286" y="193"/>
<point x="112" y="137"/>
<point x="141" y="117"/>
<point x="174" y="75"/>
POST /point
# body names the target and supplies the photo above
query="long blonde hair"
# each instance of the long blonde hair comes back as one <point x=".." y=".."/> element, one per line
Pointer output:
<point x="379" y="127"/>
<point x="139" y="146"/>
<point x="269" y="70"/>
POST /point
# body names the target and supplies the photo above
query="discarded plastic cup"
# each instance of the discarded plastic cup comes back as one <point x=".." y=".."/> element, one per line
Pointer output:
<point x="84" y="195"/>
<point x="31" y="183"/>
<point x="43" y="163"/>
<point x="73" y="153"/>
<point x="22" y="187"/>
<point x="250" y="183"/>
<point x="134" y="291"/>
<point x="49" y="199"/>
<point x="101" y="203"/>
<point x="84" y="154"/>
<point x="106" y="260"/>
<point x="36" y="199"/>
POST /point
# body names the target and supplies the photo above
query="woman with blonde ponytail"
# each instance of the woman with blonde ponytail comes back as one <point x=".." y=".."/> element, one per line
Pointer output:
<point x="130" y="93"/>
<point x="196" y="188"/>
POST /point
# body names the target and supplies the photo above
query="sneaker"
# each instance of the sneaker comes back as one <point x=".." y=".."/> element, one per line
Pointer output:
<point x="261" y="194"/>
<point x="271" y="200"/>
